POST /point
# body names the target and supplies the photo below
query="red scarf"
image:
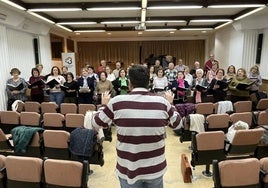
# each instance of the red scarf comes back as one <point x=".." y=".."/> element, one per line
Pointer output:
<point x="181" y="84"/>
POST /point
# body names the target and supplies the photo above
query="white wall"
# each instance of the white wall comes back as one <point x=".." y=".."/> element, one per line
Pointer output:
<point x="45" y="53"/>
<point x="264" y="56"/>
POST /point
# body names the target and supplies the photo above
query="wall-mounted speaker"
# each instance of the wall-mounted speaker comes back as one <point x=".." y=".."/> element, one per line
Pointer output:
<point x="36" y="50"/>
<point x="259" y="48"/>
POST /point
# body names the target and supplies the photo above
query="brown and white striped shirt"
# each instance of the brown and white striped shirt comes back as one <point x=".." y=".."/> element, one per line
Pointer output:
<point x="140" y="118"/>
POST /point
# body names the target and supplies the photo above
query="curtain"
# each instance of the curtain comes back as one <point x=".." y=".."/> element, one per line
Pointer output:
<point x="249" y="49"/>
<point x="137" y="51"/>
<point x="4" y="71"/>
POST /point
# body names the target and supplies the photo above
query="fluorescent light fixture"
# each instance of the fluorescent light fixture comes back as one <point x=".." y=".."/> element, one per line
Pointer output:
<point x="249" y="13"/>
<point x="166" y="29"/>
<point x="237" y="6"/>
<point x="13" y="4"/>
<point x="196" y="29"/>
<point x="120" y="22"/>
<point x="41" y="17"/>
<point x="143" y="15"/>
<point x="89" y="31"/>
<point x="144" y="3"/>
<point x="140" y="33"/>
<point x="113" y="8"/>
<point x="174" y="7"/>
<point x="65" y="28"/>
<point x="54" y="9"/>
<point x="222" y="25"/>
<point x="76" y="23"/>
<point x="172" y="32"/>
<point x="211" y="20"/>
<point x="165" y="21"/>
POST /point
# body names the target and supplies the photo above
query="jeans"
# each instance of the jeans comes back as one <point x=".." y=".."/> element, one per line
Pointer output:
<point x="154" y="183"/>
<point x="57" y="97"/>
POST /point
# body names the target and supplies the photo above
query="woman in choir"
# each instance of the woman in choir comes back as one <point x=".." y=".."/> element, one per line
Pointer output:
<point x="160" y="82"/>
<point x="239" y="86"/>
<point x="85" y="87"/>
<point x="230" y="73"/>
<point x="254" y="76"/>
<point x="70" y="88"/>
<point x="16" y="88"/>
<point x="121" y="83"/>
<point x="199" y="87"/>
<point x="219" y="86"/>
<point x="102" y="86"/>
<point x="36" y="84"/>
<point x="110" y="75"/>
<point x="187" y="76"/>
<point x="152" y="76"/>
<point x="179" y="88"/>
<point x="212" y="72"/>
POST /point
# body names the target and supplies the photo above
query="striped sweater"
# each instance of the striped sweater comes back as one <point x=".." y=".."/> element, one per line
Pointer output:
<point x="140" y="118"/>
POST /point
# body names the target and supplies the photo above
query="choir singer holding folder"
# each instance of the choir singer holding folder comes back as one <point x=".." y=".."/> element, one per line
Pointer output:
<point x="54" y="81"/>
<point x="16" y="88"/>
<point x="239" y="86"/>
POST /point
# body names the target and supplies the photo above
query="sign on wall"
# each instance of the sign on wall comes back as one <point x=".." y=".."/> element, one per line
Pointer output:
<point x="68" y="60"/>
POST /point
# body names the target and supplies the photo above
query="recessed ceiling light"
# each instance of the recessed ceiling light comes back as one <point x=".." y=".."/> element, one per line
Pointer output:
<point x="76" y="23"/>
<point x="172" y="32"/>
<point x="109" y="33"/>
<point x="203" y="31"/>
<point x="13" y="4"/>
<point x="78" y="33"/>
<point x="89" y="31"/>
<point x="211" y="20"/>
<point x="41" y="17"/>
<point x="113" y="8"/>
<point x="236" y="6"/>
<point x="174" y="7"/>
<point x="54" y="9"/>
<point x="166" y="29"/>
<point x="140" y="33"/>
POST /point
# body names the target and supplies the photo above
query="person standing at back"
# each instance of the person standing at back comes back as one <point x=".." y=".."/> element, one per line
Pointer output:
<point x="140" y="118"/>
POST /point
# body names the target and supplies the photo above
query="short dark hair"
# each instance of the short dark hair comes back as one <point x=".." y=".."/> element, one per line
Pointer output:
<point x="139" y="76"/>
<point x="15" y="70"/>
<point x="71" y="74"/>
<point x="51" y="72"/>
<point x="35" y="69"/>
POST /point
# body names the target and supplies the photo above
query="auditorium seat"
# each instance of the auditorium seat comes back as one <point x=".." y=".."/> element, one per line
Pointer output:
<point x="207" y="146"/>
<point x="32" y="106"/>
<point x="30" y="119"/>
<point x="216" y="122"/>
<point x="53" y="121"/>
<point x="204" y="108"/>
<point x="73" y="121"/>
<point x="242" y="116"/>
<point x="49" y="107"/>
<point x="65" y="174"/>
<point x="243" y="106"/>
<point x="262" y="104"/>
<point x="9" y="120"/>
<point x="56" y="144"/>
<point x="83" y="108"/>
<point x="6" y="146"/>
<point x="243" y="173"/>
<point x="2" y="171"/>
<point x="23" y="172"/>
<point x="264" y="168"/>
<point x="68" y="108"/>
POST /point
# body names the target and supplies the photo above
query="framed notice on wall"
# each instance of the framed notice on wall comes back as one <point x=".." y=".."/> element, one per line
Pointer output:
<point x="68" y="60"/>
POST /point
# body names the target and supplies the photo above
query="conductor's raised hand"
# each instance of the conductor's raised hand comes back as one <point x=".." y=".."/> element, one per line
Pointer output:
<point x="105" y="97"/>
<point x="169" y="95"/>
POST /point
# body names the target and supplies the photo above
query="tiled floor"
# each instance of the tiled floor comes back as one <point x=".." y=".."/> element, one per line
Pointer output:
<point x="105" y="177"/>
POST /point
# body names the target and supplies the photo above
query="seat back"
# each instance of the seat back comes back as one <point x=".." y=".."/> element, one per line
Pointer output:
<point x="262" y="104"/>
<point x="32" y="106"/>
<point x="23" y="172"/>
<point x="243" y="116"/>
<point x="56" y="144"/>
<point x="73" y="121"/>
<point x="2" y="174"/>
<point x="30" y="119"/>
<point x="243" y="106"/>
<point x="217" y="122"/>
<point x="245" y="141"/>
<point x="207" y="146"/>
<point x="83" y="108"/>
<point x="9" y="120"/>
<point x="5" y="145"/>
<point x="53" y="121"/>
<point x="49" y="107"/>
<point x="264" y="166"/>
<point x="263" y="118"/>
<point x="35" y="148"/>
<point x="68" y="108"/>
<point x="204" y="108"/>
<point x="65" y="173"/>
<point x="236" y="173"/>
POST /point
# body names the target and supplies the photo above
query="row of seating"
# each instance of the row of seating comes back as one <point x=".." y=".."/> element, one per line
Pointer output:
<point x="208" y="146"/>
<point x="215" y="122"/>
<point x="18" y="172"/>
<point x="51" y="107"/>
<point x="250" y="173"/>
<point x="11" y="119"/>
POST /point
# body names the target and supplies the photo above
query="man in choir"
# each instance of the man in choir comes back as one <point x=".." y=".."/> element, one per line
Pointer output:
<point x="117" y="69"/>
